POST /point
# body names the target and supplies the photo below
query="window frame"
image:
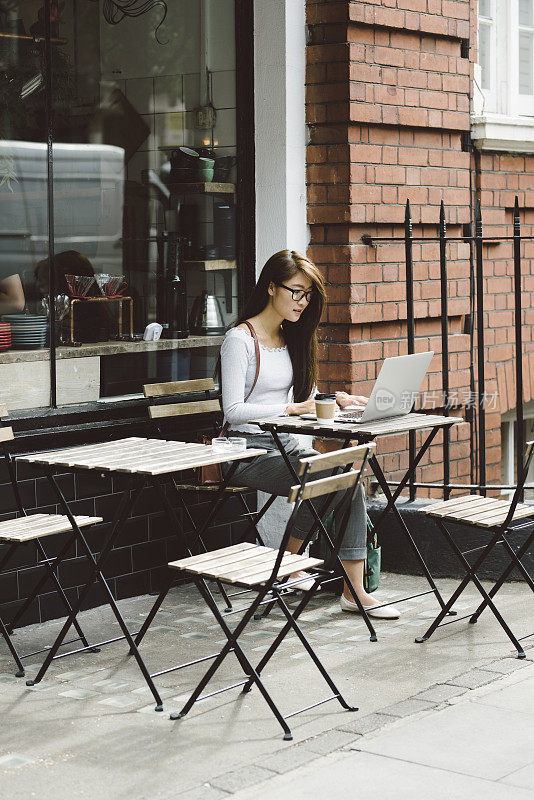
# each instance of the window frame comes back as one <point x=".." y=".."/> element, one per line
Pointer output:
<point x="503" y="97"/>
<point x="520" y="102"/>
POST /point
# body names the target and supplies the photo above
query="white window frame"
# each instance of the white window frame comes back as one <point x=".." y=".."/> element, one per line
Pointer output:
<point x="490" y="94"/>
<point x="501" y="118"/>
<point x="521" y="104"/>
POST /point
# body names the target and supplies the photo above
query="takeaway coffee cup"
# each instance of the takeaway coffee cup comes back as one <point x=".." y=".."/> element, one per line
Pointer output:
<point x="325" y="407"/>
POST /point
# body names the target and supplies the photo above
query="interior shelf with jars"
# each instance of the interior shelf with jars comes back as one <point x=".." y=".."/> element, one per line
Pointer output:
<point x="203" y="214"/>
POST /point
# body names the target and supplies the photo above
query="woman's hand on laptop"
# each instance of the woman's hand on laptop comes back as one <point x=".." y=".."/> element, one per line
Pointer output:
<point x="344" y="400"/>
<point x="307" y="407"/>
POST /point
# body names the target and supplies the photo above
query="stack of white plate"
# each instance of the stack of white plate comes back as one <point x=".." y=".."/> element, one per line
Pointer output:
<point x="28" y="331"/>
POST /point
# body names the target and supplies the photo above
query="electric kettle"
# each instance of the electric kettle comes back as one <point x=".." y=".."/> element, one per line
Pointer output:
<point x="206" y="317"/>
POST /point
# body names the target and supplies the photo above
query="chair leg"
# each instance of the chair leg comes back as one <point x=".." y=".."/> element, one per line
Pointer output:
<point x="487" y="599"/>
<point x="6" y="631"/>
<point x="291" y="624"/>
<point x="472" y="576"/>
<point x="51" y="570"/>
<point x="460" y="589"/>
<point x="515" y="562"/>
<point x="20" y="666"/>
<point x="232" y="645"/>
<point x="153" y="611"/>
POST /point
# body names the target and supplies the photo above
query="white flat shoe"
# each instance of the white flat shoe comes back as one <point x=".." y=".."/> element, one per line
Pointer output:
<point x="382" y="612"/>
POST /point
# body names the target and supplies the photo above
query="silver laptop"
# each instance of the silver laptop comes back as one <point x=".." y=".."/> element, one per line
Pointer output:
<point x="395" y="389"/>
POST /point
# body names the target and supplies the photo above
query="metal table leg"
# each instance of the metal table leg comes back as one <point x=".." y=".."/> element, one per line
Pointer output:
<point x="126" y="505"/>
<point x="377" y="470"/>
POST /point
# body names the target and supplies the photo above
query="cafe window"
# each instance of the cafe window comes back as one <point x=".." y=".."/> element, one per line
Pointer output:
<point x="118" y="137"/>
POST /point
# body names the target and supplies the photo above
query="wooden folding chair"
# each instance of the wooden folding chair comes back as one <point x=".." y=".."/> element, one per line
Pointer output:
<point x="496" y="518"/>
<point x="263" y="569"/>
<point x="33" y="528"/>
<point x="193" y="398"/>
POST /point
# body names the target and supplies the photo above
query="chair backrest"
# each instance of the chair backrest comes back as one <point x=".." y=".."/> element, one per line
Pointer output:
<point x="333" y="483"/>
<point x="172" y="392"/>
<point x="345" y="484"/>
<point x="521" y="479"/>
<point x="7" y="435"/>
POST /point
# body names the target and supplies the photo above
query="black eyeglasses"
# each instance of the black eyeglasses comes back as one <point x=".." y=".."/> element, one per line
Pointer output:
<point x="298" y="294"/>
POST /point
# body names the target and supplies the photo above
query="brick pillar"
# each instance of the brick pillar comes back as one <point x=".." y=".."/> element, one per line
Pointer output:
<point x="387" y="105"/>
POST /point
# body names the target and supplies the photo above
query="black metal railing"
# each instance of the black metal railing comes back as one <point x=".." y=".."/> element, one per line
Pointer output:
<point x="476" y="416"/>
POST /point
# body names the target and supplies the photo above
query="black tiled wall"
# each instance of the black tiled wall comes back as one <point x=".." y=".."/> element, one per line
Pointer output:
<point x="135" y="566"/>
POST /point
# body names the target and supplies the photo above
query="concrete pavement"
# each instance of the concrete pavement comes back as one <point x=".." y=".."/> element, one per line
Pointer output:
<point x="89" y="729"/>
<point x="480" y="746"/>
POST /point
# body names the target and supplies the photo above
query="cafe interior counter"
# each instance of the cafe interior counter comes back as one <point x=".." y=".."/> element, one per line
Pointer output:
<point x="80" y="371"/>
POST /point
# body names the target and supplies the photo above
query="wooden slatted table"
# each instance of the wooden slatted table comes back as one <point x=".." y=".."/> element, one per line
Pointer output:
<point x="149" y="462"/>
<point x="347" y="432"/>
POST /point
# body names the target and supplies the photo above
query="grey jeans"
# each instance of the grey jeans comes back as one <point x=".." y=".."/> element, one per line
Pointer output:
<point x="270" y="474"/>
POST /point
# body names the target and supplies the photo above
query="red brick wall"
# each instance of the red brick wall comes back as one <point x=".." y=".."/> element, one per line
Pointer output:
<point x="388" y="93"/>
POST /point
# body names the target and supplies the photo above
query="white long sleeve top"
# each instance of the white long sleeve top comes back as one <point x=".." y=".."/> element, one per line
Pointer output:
<point x="238" y="368"/>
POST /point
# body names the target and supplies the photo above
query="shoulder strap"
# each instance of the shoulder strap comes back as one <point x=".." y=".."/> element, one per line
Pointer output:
<point x="257" y="349"/>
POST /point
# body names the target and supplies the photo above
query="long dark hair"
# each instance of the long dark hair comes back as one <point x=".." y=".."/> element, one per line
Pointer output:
<point x="301" y="336"/>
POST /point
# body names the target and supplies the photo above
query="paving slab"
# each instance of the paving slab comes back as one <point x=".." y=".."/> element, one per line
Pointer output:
<point x="517" y="697"/>
<point x="342" y="775"/>
<point x="522" y="777"/>
<point x="466" y="738"/>
<point x="440" y="693"/>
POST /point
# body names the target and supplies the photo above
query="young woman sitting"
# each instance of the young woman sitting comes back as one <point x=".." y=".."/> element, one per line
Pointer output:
<point x="284" y="311"/>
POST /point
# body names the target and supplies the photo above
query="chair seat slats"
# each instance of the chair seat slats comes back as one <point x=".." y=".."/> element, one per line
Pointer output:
<point x="485" y="512"/>
<point x="25" y="529"/>
<point x="233" y="560"/>
<point x="519" y="513"/>
<point x="245" y="563"/>
<point x="205" y="557"/>
<point x="247" y="566"/>
<point x="283" y="572"/>
<point x="460" y="509"/>
<point x="454" y="503"/>
<point x="263" y="567"/>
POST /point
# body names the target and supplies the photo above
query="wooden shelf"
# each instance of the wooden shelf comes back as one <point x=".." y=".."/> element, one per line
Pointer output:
<point x="212" y="265"/>
<point x="202" y="188"/>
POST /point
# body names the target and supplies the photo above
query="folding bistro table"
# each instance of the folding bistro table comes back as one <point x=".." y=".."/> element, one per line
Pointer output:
<point x="363" y="433"/>
<point x="149" y="462"/>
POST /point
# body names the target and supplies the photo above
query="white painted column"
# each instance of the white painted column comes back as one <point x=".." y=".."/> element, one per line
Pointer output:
<point x="280" y="142"/>
<point x="280" y="139"/>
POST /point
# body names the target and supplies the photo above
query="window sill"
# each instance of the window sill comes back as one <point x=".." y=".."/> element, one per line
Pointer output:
<point x="503" y="133"/>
